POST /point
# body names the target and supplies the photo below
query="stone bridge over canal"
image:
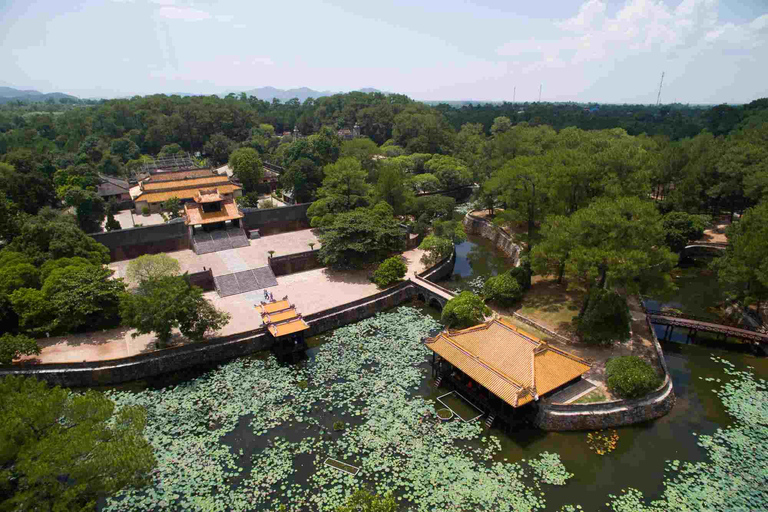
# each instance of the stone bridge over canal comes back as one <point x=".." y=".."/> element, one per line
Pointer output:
<point x="431" y="293"/>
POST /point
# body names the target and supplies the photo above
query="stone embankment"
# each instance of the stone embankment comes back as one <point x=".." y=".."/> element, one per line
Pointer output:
<point x="611" y="414"/>
<point x="223" y="348"/>
<point x="475" y="225"/>
<point x="583" y="416"/>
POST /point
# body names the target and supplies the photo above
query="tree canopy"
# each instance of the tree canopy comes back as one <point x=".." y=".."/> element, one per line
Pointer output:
<point x="65" y="451"/>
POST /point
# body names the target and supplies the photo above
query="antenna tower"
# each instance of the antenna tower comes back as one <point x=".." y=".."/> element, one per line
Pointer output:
<point x="540" y="86"/>
<point x="658" y="98"/>
<point x="514" y="92"/>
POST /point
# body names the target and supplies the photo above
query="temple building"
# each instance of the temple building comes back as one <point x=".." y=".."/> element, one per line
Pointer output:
<point x="286" y="327"/>
<point x="501" y="368"/>
<point x="186" y="185"/>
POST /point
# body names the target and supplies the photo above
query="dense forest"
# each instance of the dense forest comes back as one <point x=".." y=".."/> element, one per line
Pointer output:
<point x="547" y="166"/>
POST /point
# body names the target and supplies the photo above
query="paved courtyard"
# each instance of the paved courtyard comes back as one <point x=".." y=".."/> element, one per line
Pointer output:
<point x="311" y="291"/>
<point x="128" y="219"/>
<point x="236" y="260"/>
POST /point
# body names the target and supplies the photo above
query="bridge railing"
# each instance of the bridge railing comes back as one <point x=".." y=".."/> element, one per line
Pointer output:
<point x="686" y="316"/>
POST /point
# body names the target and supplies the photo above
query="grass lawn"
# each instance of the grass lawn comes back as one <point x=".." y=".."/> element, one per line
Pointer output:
<point x="551" y="304"/>
<point x="527" y="328"/>
<point x="592" y="397"/>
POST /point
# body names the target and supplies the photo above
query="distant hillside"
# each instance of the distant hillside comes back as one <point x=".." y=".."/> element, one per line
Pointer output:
<point x="8" y="94"/>
<point x="302" y="93"/>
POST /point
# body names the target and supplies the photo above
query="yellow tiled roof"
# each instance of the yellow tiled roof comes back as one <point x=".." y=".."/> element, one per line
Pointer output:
<point x="206" y="181"/>
<point x="196" y="216"/>
<point x="159" y="197"/>
<point x="273" y="307"/>
<point x="509" y="362"/>
<point x="288" y="327"/>
<point x="281" y="318"/>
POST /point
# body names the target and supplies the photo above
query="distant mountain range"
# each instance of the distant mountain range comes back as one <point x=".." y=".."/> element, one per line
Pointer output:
<point x="8" y="94"/>
<point x="302" y="93"/>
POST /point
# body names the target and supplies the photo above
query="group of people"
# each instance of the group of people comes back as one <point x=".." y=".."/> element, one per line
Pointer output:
<point x="268" y="296"/>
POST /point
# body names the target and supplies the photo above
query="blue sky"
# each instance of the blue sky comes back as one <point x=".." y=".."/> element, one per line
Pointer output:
<point x="580" y="50"/>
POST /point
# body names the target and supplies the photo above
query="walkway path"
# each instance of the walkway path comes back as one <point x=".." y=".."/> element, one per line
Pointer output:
<point x="311" y="291"/>
<point x="242" y="258"/>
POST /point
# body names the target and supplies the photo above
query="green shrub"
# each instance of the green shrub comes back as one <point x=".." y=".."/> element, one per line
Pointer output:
<point x="503" y="289"/>
<point x="338" y="426"/>
<point x="145" y="210"/>
<point x="630" y="377"/>
<point x="465" y="310"/>
<point x="390" y="271"/>
<point x="606" y="318"/>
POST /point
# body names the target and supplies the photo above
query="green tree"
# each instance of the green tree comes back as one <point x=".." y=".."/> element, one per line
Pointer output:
<point x="249" y="200"/>
<point x="452" y="230"/>
<point x="743" y="270"/>
<point x="449" y="171"/>
<point x="247" y="168"/>
<point x="125" y="148"/>
<point x="435" y="249"/>
<point x="606" y="318"/>
<point x="52" y="235"/>
<point x="630" y="377"/>
<point x="172" y="208"/>
<point x="10" y="220"/>
<point x="424" y="183"/>
<point x="464" y="310"/>
<point x="183" y="308"/>
<point x="391" y="188"/>
<point x="27" y="191"/>
<point x="360" y="237"/>
<point x="433" y="207"/>
<point x="503" y="289"/>
<point x="112" y="224"/>
<point x="90" y="209"/>
<point x="344" y="189"/>
<point x="13" y="346"/>
<point x="218" y="148"/>
<point x="65" y="451"/>
<point x="83" y="297"/>
<point x="682" y="227"/>
<point x="152" y="266"/>
<point x="364" y="500"/>
<point x="363" y="150"/>
<point x="390" y="271"/>
<point x="619" y="241"/>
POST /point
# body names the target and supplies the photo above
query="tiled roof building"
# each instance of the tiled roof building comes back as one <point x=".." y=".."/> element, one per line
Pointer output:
<point x="510" y="364"/>
<point x="186" y="185"/>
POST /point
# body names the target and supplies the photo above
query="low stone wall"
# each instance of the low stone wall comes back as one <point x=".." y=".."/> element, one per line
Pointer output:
<point x="292" y="263"/>
<point x="611" y="414"/>
<point x="545" y="330"/>
<point x="203" y="279"/>
<point x="503" y="240"/>
<point x="124" y="244"/>
<point x="276" y="220"/>
<point x="441" y="270"/>
<point x="206" y="353"/>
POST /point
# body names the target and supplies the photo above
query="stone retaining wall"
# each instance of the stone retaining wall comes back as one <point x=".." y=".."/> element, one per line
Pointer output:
<point x="297" y="262"/>
<point x="206" y="353"/>
<point x="203" y="279"/>
<point x="276" y="220"/>
<point x="611" y="414"/>
<point x="443" y="269"/>
<point x="503" y="240"/>
<point x="125" y="244"/>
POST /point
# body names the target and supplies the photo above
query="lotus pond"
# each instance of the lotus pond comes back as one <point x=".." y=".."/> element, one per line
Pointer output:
<point x="254" y="435"/>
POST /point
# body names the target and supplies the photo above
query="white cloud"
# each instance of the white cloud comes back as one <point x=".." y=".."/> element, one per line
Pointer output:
<point x="183" y="13"/>
<point x="640" y="27"/>
<point x="225" y="18"/>
<point x="239" y="25"/>
<point x="264" y="61"/>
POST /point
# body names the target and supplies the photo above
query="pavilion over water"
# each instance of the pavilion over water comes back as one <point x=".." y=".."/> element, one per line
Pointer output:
<point x="286" y="327"/>
<point x="500" y="367"/>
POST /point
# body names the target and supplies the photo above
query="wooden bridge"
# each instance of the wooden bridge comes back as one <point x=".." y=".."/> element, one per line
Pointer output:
<point x="694" y="326"/>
